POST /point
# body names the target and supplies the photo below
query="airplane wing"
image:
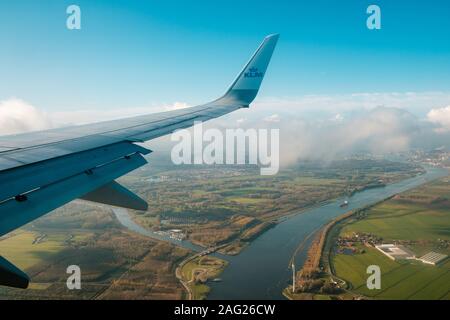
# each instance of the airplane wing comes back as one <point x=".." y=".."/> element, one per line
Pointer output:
<point x="41" y="171"/>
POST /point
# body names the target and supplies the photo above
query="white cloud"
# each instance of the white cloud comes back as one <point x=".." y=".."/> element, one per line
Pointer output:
<point x="380" y="130"/>
<point x="347" y="123"/>
<point x="337" y="117"/>
<point x="64" y="118"/>
<point x="17" y="116"/>
<point x="272" y="118"/>
<point x="441" y="117"/>
<point x="177" y="106"/>
<point x="416" y="102"/>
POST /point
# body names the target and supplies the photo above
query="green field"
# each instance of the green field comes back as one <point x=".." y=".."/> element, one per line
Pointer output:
<point x="402" y="221"/>
<point x="20" y="248"/>
<point x="422" y="218"/>
<point x="406" y="280"/>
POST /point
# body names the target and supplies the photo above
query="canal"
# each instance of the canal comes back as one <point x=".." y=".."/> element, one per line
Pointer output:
<point x="261" y="270"/>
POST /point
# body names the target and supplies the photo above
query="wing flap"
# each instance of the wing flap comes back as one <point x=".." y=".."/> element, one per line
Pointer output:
<point x="23" y="179"/>
<point x="114" y="194"/>
<point x="17" y="212"/>
<point x="49" y="151"/>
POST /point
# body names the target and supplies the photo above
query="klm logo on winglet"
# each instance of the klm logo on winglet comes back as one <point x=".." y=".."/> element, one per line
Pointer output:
<point x="253" y="73"/>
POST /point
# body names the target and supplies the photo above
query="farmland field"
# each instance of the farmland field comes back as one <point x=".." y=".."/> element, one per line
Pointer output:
<point x="226" y="205"/>
<point x="418" y="219"/>
<point x="26" y="251"/>
<point x="114" y="263"/>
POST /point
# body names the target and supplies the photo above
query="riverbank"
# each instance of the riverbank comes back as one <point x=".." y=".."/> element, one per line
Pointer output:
<point x="416" y="221"/>
<point x="194" y="271"/>
<point x="212" y="207"/>
<point x="262" y="265"/>
<point x="315" y="280"/>
<point x="346" y="249"/>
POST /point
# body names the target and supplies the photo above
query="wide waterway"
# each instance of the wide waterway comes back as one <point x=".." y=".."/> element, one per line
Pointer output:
<point x="261" y="270"/>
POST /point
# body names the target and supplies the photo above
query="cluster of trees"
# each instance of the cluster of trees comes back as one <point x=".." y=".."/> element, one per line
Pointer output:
<point x="319" y="286"/>
<point x="311" y="282"/>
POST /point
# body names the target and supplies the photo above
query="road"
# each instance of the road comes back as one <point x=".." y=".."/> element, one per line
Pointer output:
<point x="178" y="272"/>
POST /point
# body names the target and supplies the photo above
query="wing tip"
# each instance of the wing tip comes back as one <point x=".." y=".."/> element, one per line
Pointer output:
<point x="245" y="87"/>
<point x="272" y="35"/>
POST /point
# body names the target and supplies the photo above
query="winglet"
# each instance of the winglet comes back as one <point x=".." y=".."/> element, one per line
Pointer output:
<point x="244" y="89"/>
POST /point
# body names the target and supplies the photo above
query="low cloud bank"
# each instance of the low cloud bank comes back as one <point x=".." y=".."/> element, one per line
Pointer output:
<point x="65" y="118"/>
<point x="379" y="131"/>
<point x="338" y="131"/>
<point x="418" y="103"/>
<point x="18" y="116"/>
<point x="440" y="117"/>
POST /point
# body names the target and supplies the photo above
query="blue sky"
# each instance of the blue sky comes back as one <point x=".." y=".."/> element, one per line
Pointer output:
<point x="137" y="53"/>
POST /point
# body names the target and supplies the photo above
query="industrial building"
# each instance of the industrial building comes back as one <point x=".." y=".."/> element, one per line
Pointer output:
<point x="433" y="258"/>
<point x="395" y="252"/>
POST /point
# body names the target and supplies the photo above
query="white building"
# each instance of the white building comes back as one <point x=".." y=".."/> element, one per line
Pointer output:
<point x="395" y="252"/>
<point x="433" y="258"/>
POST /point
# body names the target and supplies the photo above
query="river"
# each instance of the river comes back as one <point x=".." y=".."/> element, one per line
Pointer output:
<point x="261" y="270"/>
<point x="124" y="218"/>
